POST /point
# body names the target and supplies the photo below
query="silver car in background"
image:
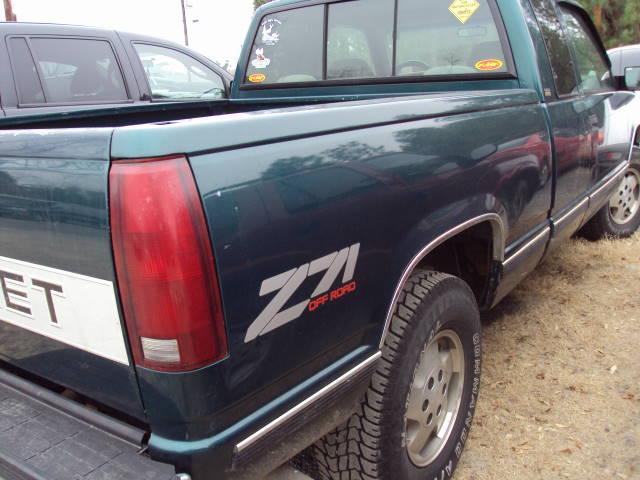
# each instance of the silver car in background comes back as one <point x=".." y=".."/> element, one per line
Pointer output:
<point x="623" y="216"/>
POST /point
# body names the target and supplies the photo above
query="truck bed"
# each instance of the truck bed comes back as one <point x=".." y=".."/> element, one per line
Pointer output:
<point x="44" y="435"/>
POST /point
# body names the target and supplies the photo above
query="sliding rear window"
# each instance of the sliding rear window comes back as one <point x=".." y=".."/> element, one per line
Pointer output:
<point x="441" y="37"/>
<point x="379" y="39"/>
<point x="288" y="47"/>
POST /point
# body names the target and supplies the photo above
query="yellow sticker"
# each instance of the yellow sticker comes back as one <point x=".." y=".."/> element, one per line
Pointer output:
<point x="257" y="78"/>
<point x="464" y="9"/>
<point x="489" y="65"/>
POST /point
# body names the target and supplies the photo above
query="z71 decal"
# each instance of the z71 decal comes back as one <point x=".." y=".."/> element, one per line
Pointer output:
<point x="287" y="283"/>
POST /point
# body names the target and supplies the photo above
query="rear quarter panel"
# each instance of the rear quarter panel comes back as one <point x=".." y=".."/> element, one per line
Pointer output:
<point x="284" y="189"/>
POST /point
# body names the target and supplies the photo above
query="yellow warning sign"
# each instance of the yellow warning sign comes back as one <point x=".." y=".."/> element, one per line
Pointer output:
<point x="464" y="9"/>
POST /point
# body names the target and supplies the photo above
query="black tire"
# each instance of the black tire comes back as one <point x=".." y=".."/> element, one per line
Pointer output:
<point x="603" y="225"/>
<point x="371" y="444"/>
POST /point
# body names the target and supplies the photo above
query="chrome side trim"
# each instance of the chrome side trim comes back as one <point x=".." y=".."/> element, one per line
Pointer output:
<point x="634" y="132"/>
<point x="546" y="231"/>
<point x="615" y="177"/>
<point x="497" y="226"/>
<point x="566" y="216"/>
<point x="244" y="444"/>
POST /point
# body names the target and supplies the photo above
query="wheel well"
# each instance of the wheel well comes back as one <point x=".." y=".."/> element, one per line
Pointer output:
<point x="468" y="255"/>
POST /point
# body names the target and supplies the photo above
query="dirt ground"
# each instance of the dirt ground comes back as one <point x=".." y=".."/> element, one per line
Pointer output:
<point x="560" y="393"/>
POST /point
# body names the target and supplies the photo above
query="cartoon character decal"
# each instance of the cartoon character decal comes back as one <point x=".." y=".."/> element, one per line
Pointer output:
<point x="269" y="35"/>
<point x="260" y="61"/>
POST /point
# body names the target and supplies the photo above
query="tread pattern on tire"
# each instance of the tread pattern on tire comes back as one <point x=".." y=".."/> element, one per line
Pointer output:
<point x="350" y="452"/>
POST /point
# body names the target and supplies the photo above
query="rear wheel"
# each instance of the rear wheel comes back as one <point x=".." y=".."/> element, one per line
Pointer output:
<point x="621" y="216"/>
<point x="416" y="415"/>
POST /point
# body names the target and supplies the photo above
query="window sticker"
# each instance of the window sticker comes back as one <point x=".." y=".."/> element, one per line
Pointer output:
<point x="270" y="36"/>
<point x="257" y="78"/>
<point x="463" y="10"/>
<point x="260" y="61"/>
<point x="489" y="65"/>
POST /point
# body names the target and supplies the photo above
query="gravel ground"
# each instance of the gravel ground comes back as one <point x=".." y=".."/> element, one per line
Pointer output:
<point x="560" y="394"/>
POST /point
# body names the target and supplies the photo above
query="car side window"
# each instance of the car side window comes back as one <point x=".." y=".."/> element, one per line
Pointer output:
<point x="359" y="41"/>
<point x="25" y="73"/>
<point x="78" y="70"/>
<point x="564" y="74"/>
<point x="173" y="75"/>
<point x="592" y="67"/>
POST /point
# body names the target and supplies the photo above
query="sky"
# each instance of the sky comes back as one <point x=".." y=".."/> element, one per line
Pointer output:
<point x="218" y="33"/>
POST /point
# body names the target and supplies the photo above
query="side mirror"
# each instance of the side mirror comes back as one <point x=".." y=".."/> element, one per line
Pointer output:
<point x="632" y="78"/>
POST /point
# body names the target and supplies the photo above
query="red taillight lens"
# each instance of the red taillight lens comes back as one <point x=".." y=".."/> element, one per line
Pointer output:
<point x="165" y="266"/>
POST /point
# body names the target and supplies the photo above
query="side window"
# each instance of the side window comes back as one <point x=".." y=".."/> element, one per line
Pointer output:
<point x="78" y="70"/>
<point x="441" y="37"/>
<point x="25" y="73"/>
<point x="360" y="39"/>
<point x="174" y="75"/>
<point x="557" y="47"/>
<point x="592" y="68"/>
<point x="288" y="47"/>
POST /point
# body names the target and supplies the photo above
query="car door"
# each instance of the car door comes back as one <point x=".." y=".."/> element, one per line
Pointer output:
<point x="597" y="92"/>
<point x="567" y="109"/>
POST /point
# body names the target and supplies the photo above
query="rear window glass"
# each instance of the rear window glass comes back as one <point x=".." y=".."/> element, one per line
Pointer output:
<point x="360" y="39"/>
<point x="288" y="47"/>
<point x="441" y="37"/>
<point x="78" y="70"/>
<point x="428" y="38"/>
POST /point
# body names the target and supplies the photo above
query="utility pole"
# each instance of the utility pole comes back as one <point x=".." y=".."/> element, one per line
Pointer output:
<point x="8" y="11"/>
<point x="184" y="21"/>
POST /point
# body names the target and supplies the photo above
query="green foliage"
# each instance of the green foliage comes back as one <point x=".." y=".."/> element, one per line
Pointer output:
<point x="617" y="20"/>
<point x="259" y="3"/>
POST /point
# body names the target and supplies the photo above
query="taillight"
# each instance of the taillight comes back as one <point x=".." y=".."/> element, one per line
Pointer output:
<point x="165" y="265"/>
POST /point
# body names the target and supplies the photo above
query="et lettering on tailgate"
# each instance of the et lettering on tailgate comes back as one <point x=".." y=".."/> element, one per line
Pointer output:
<point x="74" y="309"/>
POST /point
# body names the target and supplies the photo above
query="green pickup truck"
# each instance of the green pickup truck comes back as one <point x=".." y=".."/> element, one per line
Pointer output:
<point x="296" y="273"/>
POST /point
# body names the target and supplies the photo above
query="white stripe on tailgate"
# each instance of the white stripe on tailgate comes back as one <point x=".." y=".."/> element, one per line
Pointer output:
<point x="73" y="309"/>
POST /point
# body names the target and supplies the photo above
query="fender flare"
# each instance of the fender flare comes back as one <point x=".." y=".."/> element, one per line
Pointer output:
<point x="499" y="237"/>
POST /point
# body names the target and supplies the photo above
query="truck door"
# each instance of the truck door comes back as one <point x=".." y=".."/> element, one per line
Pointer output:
<point x="598" y="97"/>
<point x="566" y="107"/>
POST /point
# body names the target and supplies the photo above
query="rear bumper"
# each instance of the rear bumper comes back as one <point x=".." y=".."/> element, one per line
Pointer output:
<point x="275" y="433"/>
<point x="46" y="436"/>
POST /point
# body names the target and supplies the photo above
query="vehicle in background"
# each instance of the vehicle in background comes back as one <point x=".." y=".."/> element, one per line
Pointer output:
<point x="69" y="69"/>
<point x="623" y="217"/>
<point x="300" y="271"/>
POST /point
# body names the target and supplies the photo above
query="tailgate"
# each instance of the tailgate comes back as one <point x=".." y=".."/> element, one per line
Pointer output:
<point x="59" y="316"/>
<point x="43" y="435"/>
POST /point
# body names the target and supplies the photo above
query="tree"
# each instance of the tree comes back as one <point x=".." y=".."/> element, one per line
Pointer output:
<point x="618" y="21"/>
<point x="8" y="11"/>
<point x="259" y="3"/>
